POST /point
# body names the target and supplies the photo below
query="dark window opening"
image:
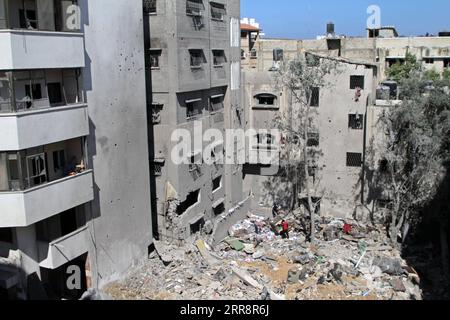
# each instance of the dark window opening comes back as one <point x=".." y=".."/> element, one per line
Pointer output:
<point x="68" y="222"/>
<point x="28" y="19"/>
<point x="154" y="57"/>
<point x="197" y="58"/>
<point x="266" y="99"/>
<point x="6" y="235"/>
<point x="446" y="63"/>
<point x="253" y="54"/>
<point x="278" y="55"/>
<point x="355" y="121"/>
<point x="219" y="57"/>
<point x="191" y="200"/>
<point x="157" y="169"/>
<point x="156" y="112"/>
<point x="217" y="183"/>
<point x="54" y="93"/>
<point x="59" y="160"/>
<point x="198" y="226"/>
<point x="356" y="82"/>
<point x="34" y="91"/>
<point x="220" y="209"/>
<point x="354" y="159"/>
<point x="218" y="11"/>
<point x="193" y="109"/>
<point x="194" y="7"/>
<point x="383" y="165"/>
<point x="429" y="60"/>
<point x="150" y="6"/>
<point x="315" y="97"/>
<point x="217" y="103"/>
<point x="313" y="140"/>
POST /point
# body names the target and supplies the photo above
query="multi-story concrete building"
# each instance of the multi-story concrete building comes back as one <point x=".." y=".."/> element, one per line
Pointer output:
<point x="193" y="84"/>
<point x="67" y="107"/>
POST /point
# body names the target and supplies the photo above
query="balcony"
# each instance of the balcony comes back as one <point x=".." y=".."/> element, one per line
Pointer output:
<point x="65" y="249"/>
<point x="24" y="208"/>
<point x="40" y="35"/>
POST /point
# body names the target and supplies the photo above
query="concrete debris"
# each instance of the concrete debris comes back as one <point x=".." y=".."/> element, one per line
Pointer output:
<point x="92" y="294"/>
<point x="255" y="263"/>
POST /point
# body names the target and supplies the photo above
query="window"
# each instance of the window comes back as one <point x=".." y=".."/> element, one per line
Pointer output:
<point x="156" y="112"/>
<point x="192" y="199"/>
<point x="194" y="108"/>
<point x="219" y="58"/>
<point x="36" y="167"/>
<point x="157" y="165"/>
<point x="446" y="63"/>
<point x="265" y="100"/>
<point x="54" y="93"/>
<point x="150" y="6"/>
<point x="354" y="159"/>
<point x="357" y="82"/>
<point x="219" y="209"/>
<point x="217" y="183"/>
<point x="197" y="58"/>
<point x="429" y="60"/>
<point x="28" y="16"/>
<point x="217" y="102"/>
<point x="242" y="54"/>
<point x="218" y="11"/>
<point x="59" y="160"/>
<point x="315" y="97"/>
<point x="154" y="58"/>
<point x="194" y="7"/>
<point x="278" y="55"/>
<point x="313" y="139"/>
<point x="34" y="91"/>
<point x="6" y="235"/>
<point x="253" y="54"/>
<point x="355" y="121"/>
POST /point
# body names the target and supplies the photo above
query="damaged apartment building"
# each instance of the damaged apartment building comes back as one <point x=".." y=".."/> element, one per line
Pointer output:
<point x="346" y="110"/>
<point x="90" y="92"/>
<point x="193" y="78"/>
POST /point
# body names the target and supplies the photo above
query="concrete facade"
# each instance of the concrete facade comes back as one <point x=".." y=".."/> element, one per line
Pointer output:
<point x="193" y="79"/>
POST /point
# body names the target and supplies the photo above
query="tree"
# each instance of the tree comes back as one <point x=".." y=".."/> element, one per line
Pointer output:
<point x="432" y="75"/>
<point x="415" y="151"/>
<point x="302" y="78"/>
<point x="400" y="71"/>
<point x="446" y="74"/>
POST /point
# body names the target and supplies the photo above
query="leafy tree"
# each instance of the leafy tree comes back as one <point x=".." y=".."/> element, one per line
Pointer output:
<point x="415" y="150"/>
<point x="404" y="70"/>
<point x="302" y="78"/>
<point x="432" y="75"/>
<point x="446" y="74"/>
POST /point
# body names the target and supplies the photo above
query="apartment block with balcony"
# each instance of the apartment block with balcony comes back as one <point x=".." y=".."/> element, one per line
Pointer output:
<point x="44" y="171"/>
<point x="193" y="75"/>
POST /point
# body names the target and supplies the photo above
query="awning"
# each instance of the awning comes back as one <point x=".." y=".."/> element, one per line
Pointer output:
<point x="218" y="203"/>
<point x="193" y="100"/>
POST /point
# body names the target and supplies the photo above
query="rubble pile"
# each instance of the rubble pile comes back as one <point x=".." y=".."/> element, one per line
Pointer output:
<point x="348" y="261"/>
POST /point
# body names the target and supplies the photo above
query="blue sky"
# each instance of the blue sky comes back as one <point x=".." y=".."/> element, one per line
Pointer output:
<point x="308" y="18"/>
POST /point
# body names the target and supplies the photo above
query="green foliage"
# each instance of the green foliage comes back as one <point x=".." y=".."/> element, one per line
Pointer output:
<point x="400" y="71"/>
<point x="446" y="74"/>
<point x="432" y="75"/>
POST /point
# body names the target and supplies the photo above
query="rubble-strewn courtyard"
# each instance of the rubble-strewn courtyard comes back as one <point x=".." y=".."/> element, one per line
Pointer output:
<point x="255" y="263"/>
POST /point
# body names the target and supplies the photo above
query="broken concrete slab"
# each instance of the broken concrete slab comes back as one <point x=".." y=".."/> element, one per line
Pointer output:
<point x="246" y="278"/>
<point x="389" y="266"/>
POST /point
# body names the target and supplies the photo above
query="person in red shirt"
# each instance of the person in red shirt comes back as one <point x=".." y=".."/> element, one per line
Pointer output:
<point x="285" y="229"/>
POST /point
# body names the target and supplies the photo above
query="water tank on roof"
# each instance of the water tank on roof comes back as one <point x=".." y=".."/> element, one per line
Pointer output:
<point x="383" y="93"/>
<point x="330" y="28"/>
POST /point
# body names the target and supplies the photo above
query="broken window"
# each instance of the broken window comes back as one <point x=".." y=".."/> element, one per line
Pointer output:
<point x="150" y="6"/>
<point x="194" y="7"/>
<point x="354" y="159"/>
<point x="194" y="108"/>
<point x="315" y="97"/>
<point x="28" y="15"/>
<point x="265" y="99"/>
<point x="197" y="58"/>
<point x="278" y="55"/>
<point x="59" y="160"/>
<point x="219" y="58"/>
<point x="220" y="209"/>
<point x="55" y="93"/>
<point x="191" y="200"/>
<point x="218" y="11"/>
<point x="217" y="102"/>
<point x="217" y="183"/>
<point x="156" y="112"/>
<point x="34" y="91"/>
<point x="313" y="139"/>
<point x="355" y="121"/>
<point x="154" y="56"/>
<point x="357" y="82"/>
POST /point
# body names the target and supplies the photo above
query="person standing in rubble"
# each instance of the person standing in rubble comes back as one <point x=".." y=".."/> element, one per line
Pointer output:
<point x="275" y="210"/>
<point x="284" y="229"/>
